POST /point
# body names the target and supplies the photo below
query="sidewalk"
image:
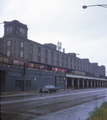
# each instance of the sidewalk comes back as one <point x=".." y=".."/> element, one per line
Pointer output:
<point x="21" y="93"/>
<point x="3" y="94"/>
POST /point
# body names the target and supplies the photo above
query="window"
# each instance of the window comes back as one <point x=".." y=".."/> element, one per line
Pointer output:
<point x="71" y="60"/>
<point x="67" y="65"/>
<point x="8" y="53"/>
<point x="39" y="59"/>
<point x="67" y="59"/>
<point x="45" y="60"/>
<point x="9" y="29"/>
<point x="39" y="50"/>
<point x="52" y="54"/>
<point x="74" y="67"/>
<point x="62" y="57"/>
<point x="57" y="63"/>
<point x="57" y="56"/>
<point x="22" y="30"/>
<point x="21" y="53"/>
<point x="62" y="64"/>
<point x="71" y="66"/>
<point x="21" y="44"/>
<point x="28" y="83"/>
<point x="60" y="80"/>
<point x="74" y="61"/>
<point x="18" y="83"/>
<point x="31" y="47"/>
<point x="46" y="52"/>
<point x="30" y="56"/>
<point x="8" y="43"/>
<point x="52" y="62"/>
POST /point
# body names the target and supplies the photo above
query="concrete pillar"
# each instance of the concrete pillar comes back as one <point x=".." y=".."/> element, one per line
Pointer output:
<point x="78" y="83"/>
<point x="83" y="83"/>
<point x="91" y="83"/>
<point x="87" y="83"/>
<point x="72" y="83"/>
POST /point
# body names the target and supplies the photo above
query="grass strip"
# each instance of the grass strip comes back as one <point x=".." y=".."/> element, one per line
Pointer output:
<point x="99" y="113"/>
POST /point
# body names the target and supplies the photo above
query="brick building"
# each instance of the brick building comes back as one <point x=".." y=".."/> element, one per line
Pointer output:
<point x="15" y="44"/>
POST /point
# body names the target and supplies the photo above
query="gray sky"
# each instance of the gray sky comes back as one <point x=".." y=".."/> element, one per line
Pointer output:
<point x="82" y="31"/>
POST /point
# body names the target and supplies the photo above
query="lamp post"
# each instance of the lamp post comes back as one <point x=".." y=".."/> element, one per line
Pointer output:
<point x="100" y="5"/>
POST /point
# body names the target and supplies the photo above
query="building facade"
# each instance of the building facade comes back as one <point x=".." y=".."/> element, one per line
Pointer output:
<point x="15" y="44"/>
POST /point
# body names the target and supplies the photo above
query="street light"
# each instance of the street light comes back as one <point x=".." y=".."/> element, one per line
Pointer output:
<point x="100" y="5"/>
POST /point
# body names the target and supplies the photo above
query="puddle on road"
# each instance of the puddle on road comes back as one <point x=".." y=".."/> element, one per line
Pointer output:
<point x="80" y="112"/>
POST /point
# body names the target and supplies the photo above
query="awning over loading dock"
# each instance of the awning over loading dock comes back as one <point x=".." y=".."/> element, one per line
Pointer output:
<point x="84" y="77"/>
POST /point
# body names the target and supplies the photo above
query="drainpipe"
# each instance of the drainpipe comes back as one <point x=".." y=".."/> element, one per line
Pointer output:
<point x="24" y="68"/>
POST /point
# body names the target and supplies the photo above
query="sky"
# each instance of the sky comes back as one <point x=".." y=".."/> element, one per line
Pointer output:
<point x="82" y="31"/>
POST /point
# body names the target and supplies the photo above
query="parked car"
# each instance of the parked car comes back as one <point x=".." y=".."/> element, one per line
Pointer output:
<point x="48" y="88"/>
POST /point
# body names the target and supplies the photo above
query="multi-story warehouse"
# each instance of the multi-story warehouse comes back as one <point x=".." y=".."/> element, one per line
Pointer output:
<point x="15" y="44"/>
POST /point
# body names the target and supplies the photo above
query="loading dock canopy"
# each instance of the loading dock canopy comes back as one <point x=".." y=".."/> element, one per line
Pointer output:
<point x="84" y="77"/>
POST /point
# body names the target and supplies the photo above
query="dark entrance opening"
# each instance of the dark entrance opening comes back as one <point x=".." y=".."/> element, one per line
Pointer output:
<point x="93" y="83"/>
<point x="81" y="86"/>
<point x="2" y="81"/>
<point x="19" y="85"/>
<point x="85" y="83"/>
<point x="69" y="83"/>
<point x="75" y="83"/>
<point x="89" y="83"/>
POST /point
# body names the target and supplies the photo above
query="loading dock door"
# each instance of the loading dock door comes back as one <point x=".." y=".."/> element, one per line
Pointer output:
<point x="2" y="81"/>
<point x="69" y="81"/>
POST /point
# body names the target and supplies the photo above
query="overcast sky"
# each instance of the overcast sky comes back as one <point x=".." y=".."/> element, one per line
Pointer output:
<point x="82" y="31"/>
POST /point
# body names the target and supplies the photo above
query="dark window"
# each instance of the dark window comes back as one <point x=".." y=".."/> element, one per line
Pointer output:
<point x="62" y="64"/>
<point x="18" y="83"/>
<point x="74" y="61"/>
<point x="57" y="63"/>
<point x="31" y="47"/>
<point x="30" y="56"/>
<point x="45" y="60"/>
<point x="60" y="80"/>
<point x="67" y="65"/>
<point x="39" y="50"/>
<point x="52" y="62"/>
<point x="67" y="59"/>
<point x="28" y="83"/>
<point x="57" y="56"/>
<point x="71" y="66"/>
<point x="46" y="52"/>
<point x="62" y="57"/>
<point x="71" y="60"/>
<point x="39" y="59"/>
<point x="52" y="54"/>
<point x="75" y="67"/>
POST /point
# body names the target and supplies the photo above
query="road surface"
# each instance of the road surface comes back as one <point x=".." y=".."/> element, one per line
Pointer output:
<point x="38" y="106"/>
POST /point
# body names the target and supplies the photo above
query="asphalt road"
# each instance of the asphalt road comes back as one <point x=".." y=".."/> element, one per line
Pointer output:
<point x="34" y="105"/>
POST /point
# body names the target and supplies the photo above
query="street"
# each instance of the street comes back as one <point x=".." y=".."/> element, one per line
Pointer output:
<point x="39" y="106"/>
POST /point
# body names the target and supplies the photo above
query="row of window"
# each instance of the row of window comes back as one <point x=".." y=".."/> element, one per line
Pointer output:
<point x="77" y="64"/>
<point x="20" y="83"/>
<point x="9" y="29"/>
